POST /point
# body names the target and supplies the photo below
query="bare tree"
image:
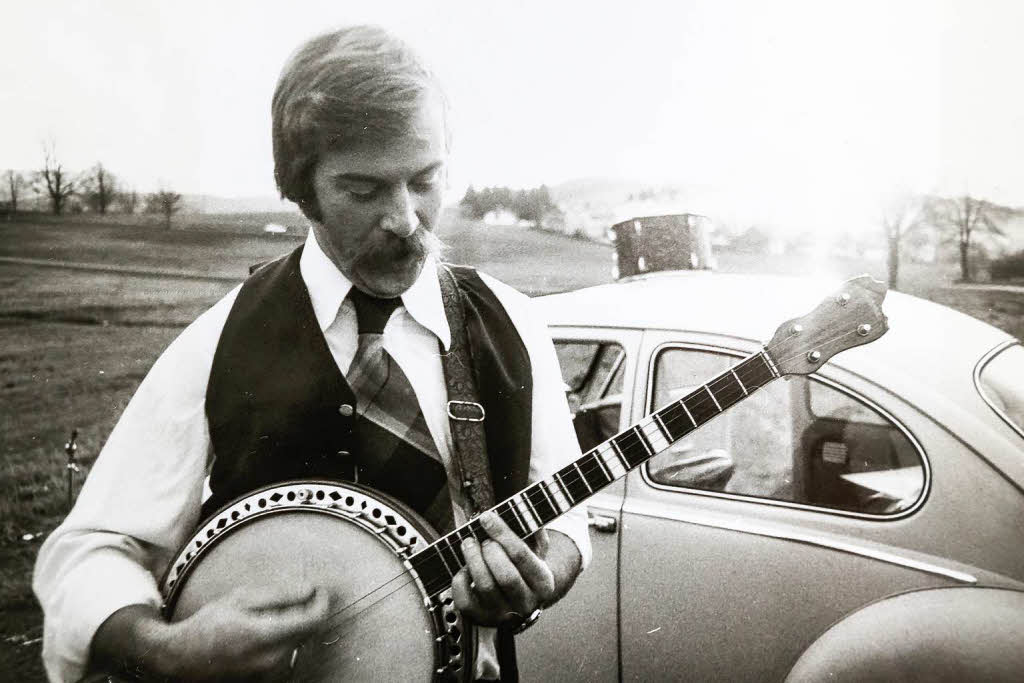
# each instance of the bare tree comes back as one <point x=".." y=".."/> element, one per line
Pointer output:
<point x="14" y="182"/>
<point x="54" y="180"/>
<point x="165" y="202"/>
<point x="964" y="216"/>
<point x="129" y="201"/>
<point x="100" y="188"/>
<point x="900" y="216"/>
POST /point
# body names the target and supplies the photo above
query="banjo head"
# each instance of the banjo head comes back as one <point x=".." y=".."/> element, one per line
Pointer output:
<point x="350" y="540"/>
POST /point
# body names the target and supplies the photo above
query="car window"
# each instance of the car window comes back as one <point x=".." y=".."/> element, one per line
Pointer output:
<point x="593" y="373"/>
<point x="800" y="441"/>
<point x="1001" y="383"/>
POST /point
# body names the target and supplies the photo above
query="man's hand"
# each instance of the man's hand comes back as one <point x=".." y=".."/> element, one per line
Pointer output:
<point x="505" y="580"/>
<point x="244" y="634"/>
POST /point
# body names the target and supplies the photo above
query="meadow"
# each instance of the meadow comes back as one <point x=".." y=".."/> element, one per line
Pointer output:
<point x="76" y="343"/>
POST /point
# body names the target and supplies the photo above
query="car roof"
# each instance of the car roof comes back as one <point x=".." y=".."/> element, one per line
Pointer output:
<point x="927" y="357"/>
<point x="753" y="306"/>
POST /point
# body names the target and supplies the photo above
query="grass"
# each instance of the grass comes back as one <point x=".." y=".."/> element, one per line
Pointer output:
<point x="224" y="223"/>
<point x="77" y="343"/>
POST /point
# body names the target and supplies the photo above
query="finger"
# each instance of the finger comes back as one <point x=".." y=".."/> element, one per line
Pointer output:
<point x="275" y="597"/>
<point x="534" y="570"/>
<point x="462" y="593"/>
<point x="540" y="542"/>
<point x="469" y="603"/>
<point x="517" y="594"/>
<point x="296" y="622"/>
<point x="482" y="582"/>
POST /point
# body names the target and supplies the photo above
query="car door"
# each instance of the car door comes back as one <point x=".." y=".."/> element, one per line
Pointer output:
<point x="578" y="638"/>
<point x="732" y="559"/>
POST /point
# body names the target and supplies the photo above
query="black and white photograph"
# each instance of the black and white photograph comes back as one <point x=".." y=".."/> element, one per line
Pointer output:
<point x="500" y="341"/>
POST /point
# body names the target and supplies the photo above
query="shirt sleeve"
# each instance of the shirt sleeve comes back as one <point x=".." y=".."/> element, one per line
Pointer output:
<point x="140" y="499"/>
<point x="554" y="441"/>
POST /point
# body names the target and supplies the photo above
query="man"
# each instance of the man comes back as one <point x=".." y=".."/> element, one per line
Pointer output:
<point x="360" y="144"/>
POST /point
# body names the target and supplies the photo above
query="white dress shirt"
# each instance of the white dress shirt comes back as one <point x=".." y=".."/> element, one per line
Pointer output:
<point x="142" y="498"/>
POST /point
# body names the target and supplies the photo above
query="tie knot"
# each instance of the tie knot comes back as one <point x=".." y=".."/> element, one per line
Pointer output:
<point x="371" y="312"/>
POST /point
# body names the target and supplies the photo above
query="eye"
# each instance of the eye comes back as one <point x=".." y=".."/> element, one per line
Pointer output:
<point x="358" y="189"/>
<point x="425" y="182"/>
<point x="363" y="195"/>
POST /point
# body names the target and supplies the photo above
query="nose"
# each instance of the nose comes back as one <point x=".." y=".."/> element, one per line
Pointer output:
<point x="401" y="218"/>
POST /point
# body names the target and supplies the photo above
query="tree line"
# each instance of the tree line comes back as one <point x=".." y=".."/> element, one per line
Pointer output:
<point x="99" y="190"/>
<point x="534" y="204"/>
<point x="96" y="189"/>
<point x="960" y="219"/>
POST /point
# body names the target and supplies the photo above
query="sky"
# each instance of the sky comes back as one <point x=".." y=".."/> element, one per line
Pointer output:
<point x="807" y="114"/>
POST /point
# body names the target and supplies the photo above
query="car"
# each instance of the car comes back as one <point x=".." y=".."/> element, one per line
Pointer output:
<point x="864" y="522"/>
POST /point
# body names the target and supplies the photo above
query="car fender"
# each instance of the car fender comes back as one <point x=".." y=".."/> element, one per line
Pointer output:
<point x="940" y="634"/>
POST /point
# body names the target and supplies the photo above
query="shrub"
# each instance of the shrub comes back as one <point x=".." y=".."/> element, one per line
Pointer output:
<point x="1007" y="267"/>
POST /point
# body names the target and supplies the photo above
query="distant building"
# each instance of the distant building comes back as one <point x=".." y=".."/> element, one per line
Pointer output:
<point x="500" y="216"/>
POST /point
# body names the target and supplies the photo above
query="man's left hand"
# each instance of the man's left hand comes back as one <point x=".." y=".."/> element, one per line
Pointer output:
<point x="505" y="580"/>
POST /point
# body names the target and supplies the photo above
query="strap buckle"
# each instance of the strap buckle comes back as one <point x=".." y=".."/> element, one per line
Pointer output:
<point x="466" y="411"/>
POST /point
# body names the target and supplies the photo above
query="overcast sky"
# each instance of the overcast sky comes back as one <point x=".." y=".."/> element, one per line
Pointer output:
<point x="794" y="111"/>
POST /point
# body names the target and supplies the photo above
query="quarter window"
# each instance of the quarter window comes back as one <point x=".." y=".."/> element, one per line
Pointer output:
<point x="593" y="374"/>
<point x="799" y="441"/>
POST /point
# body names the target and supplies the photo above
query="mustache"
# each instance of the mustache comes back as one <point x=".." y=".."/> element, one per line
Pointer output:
<point x="430" y="243"/>
<point x="421" y="243"/>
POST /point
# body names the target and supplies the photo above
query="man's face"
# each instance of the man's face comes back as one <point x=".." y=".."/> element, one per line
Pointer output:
<point x="379" y="200"/>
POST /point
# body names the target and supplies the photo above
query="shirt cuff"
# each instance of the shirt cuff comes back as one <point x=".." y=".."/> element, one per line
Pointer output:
<point x="99" y="586"/>
<point x="574" y="525"/>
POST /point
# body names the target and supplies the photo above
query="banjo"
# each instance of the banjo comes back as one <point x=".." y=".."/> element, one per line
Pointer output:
<point x="389" y="574"/>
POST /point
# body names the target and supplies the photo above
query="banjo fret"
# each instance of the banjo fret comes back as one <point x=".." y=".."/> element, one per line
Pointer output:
<point x="517" y="523"/>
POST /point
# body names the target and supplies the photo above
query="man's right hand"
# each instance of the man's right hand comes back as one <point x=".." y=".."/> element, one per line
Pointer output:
<point x="244" y="634"/>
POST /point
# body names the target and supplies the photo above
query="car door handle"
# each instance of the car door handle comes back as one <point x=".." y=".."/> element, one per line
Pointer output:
<point x="603" y="523"/>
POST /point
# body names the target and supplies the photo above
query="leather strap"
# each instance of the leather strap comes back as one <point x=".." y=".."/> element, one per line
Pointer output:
<point x="465" y="413"/>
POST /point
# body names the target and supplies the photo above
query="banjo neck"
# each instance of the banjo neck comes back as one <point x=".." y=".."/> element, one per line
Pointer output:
<point x="849" y="318"/>
<point x="538" y="504"/>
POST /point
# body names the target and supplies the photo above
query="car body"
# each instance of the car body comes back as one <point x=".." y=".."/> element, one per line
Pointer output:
<point x="867" y="520"/>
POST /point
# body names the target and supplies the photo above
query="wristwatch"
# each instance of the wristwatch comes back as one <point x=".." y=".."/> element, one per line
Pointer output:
<point x="527" y="622"/>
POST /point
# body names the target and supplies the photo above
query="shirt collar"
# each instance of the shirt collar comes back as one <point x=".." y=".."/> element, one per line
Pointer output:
<point x="328" y="288"/>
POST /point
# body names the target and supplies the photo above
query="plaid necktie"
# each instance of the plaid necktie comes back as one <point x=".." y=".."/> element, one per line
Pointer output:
<point x="392" y="434"/>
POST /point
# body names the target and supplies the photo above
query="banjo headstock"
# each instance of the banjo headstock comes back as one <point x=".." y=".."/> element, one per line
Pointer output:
<point x="850" y="317"/>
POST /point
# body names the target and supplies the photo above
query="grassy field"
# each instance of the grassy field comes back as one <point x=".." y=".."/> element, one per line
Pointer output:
<point x="77" y="343"/>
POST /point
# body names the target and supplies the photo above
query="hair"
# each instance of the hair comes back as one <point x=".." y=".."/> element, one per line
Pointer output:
<point x="354" y="83"/>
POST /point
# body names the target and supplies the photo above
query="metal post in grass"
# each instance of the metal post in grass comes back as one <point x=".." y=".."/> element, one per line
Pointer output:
<point x="70" y="448"/>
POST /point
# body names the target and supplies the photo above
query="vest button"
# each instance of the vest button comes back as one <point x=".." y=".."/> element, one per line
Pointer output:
<point x="346" y="409"/>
